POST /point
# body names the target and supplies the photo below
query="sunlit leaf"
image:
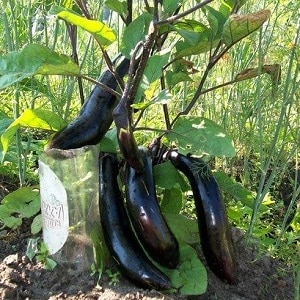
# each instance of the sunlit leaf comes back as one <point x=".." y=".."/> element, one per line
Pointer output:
<point x="101" y="32"/>
<point x="239" y="26"/>
<point x="33" y="118"/>
<point x="34" y="59"/>
<point x="200" y="136"/>
<point x="164" y="97"/>
<point x="227" y="6"/>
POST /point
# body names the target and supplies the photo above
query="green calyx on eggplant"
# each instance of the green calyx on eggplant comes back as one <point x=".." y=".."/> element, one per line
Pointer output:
<point x="119" y="236"/>
<point x="146" y="217"/>
<point x="216" y="238"/>
<point x="95" y="116"/>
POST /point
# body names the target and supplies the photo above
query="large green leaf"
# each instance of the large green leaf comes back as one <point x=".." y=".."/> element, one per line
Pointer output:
<point x="185" y="229"/>
<point x="34" y="59"/>
<point x="239" y="26"/>
<point x="101" y="32"/>
<point x="25" y="202"/>
<point x="168" y="177"/>
<point x="33" y="118"/>
<point x="190" y="277"/>
<point x="200" y="136"/>
<point x="152" y="72"/>
<point x="171" y="201"/>
<point x="134" y="33"/>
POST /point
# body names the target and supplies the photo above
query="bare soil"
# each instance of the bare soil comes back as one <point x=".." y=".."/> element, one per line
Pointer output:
<point x="259" y="277"/>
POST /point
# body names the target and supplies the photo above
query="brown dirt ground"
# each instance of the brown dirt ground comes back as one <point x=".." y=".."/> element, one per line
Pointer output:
<point x="259" y="277"/>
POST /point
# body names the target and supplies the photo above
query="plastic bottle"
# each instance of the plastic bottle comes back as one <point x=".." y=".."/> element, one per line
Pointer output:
<point x="69" y="204"/>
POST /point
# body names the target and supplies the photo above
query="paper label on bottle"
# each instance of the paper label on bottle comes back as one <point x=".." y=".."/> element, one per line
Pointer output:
<point x="54" y="207"/>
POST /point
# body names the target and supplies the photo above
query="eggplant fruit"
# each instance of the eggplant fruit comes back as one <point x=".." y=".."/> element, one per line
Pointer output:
<point x="95" y="116"/>
<point x="216" y="239"/>
<point x="145" y="214"/>
<point x="118" y="234"/>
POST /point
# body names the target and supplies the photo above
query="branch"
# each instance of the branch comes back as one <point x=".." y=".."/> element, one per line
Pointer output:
<point x="96" y="82"/>
<point x="171" y="20"/>
<point x="121" y="116"/>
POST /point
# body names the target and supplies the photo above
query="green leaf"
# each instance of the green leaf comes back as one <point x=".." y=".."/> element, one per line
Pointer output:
<point x="164" y="97"/>
<point x="33" y="118"/>
<point x="4" y="123"/>
<point x="108" y="145"/>
<point x="118" y="6"/>
<point x="173" y="78"/>
<point x="186" y="49"/>
<point x="134" y="33"/>
<point x="7" y="219"/>
<point x="185" y="229"/>
<point x="172" y="201"/>
<point x="190" y="278"/>
<point x="50" y="264"/>
<point x="198" y="38"/>
<point x="24" y="201"/>
<point x="239" y="26"/>
<point x="32" y="248"/>
<point x="104" y="35"/>
<point x="227" y="6"/>
<point x="200" y="136"/>
<point x="34" y="59"/>
<point x="155" y="65"/>
<point x="36" y="225"/>
<point x="236" y="190"/>
<point x="169" y="6"/>
<point x="168" y="177"/>
<point x="216" y="20"/>
<point x="153" y="71"/>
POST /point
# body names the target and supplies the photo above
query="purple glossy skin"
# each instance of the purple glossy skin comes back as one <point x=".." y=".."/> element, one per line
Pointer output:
<point x="145" y="214"/>
<point x="119" y="237"/>
<point x="216" y="239"/>
<point x="95" y="116"/>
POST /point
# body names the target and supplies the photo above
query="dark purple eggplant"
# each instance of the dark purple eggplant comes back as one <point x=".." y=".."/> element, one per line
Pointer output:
<point x="145" y="214"/>
<point x="119" y="235"/>
<point x="95" y="116"/>
<point x="216" y="239"/>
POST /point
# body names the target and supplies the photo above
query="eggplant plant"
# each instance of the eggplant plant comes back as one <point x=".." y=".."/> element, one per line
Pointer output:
<point x="158" y="45"/>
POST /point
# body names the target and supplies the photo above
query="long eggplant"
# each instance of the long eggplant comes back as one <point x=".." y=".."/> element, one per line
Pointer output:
<point x="95" y="116"/>
<point x="118" y="234"/>
<point x="216" y="239"/>
<point x="145" y="214"/>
